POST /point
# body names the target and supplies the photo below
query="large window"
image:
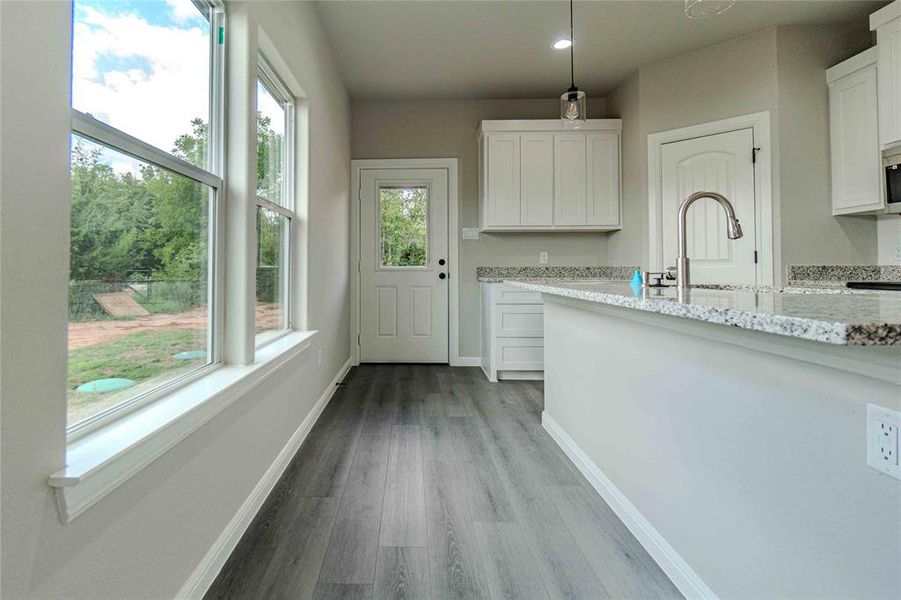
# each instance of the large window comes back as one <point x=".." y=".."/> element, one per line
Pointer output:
<point x="145" y="164"/>
<point x="275" y="204"/>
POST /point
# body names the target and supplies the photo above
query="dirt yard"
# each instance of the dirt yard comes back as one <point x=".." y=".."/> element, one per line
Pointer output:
<point x="88" y="333"/>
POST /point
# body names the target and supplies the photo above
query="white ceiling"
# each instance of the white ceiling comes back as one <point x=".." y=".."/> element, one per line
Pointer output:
<point x="475" y="49"/>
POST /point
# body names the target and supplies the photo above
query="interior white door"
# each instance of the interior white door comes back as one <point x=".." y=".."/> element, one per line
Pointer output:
<point x="403" y="265"/>
<point x="721" y="163"/>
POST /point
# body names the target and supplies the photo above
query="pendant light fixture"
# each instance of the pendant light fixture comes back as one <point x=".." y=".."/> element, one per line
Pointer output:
<point x="572" y="103"/>
<point x="701" y="9"/>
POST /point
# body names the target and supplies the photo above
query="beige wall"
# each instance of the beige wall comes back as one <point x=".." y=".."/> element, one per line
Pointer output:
<point x="144" y="539"/>
<point x="810" y="234"/>
<point x="629" y="246"/>
<point x="448" y="129"/>
<point x="781" y="70"/>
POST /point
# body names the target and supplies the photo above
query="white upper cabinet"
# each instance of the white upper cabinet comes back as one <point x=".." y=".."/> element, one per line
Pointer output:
<point x="570" y="179"/>
<point x="854" y="135"/>
<point x="536" y="179"/>
<point x="540" y="176"/>
<point x="887" y="24"/>
<point x="603" y="178"/>
<point x="502" y="178"/>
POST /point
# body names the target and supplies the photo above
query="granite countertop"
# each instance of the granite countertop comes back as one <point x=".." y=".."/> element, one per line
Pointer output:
<point x="555" y="273"/>
<point x="843" y="317"/>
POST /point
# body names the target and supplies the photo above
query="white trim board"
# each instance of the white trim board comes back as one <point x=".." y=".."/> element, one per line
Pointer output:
<point x="453" y="247"/>
<point x="675" y="567"/>
<point x="200" y="580"/>
<point x="766" y="230"/>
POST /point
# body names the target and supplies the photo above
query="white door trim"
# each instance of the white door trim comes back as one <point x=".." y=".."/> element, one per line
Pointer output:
<point x="766" y="231"/>
<point x="453" y="241"/>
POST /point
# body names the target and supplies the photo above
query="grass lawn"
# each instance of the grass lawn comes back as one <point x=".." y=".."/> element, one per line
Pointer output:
<point x="138" y="357"/>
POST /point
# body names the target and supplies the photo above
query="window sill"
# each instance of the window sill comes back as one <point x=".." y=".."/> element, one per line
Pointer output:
<point x="101" y="461"/>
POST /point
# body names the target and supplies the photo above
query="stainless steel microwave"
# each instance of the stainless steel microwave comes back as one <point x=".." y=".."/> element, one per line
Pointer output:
<point x="891" y="164"/>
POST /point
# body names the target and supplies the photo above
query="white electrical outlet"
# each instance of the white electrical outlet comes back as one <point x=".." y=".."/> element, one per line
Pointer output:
<point x="882" y="440"/>
<point x="542" y="258"/>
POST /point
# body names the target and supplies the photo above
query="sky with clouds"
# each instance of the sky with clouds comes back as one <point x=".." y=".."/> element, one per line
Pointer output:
<point x="143" y="66"/>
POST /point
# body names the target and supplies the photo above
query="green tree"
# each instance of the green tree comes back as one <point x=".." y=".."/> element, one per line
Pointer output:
<point x="404" y="226"/>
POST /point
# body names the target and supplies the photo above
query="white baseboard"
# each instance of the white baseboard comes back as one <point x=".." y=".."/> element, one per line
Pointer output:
<point x="466" y="361"/>
<point x="205" y="573"/>
<point x="521" y="375"/>
<point x="681" y="574"/>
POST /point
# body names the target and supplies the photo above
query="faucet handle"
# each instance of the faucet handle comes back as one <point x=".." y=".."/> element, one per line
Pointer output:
<point x="671" y="273"/>
<point x="657" y="277"/>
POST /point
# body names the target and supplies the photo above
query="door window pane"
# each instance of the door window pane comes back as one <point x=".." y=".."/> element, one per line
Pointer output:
<point x="272" y="269"/>
<point x="144" y="68"/>
<point x="139" y="278"/>
<point x="271" y="125"/>
<point x="403" y="226"/>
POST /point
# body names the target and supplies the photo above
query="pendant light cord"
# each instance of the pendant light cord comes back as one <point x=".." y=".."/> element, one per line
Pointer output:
<point x="572" y="48"/>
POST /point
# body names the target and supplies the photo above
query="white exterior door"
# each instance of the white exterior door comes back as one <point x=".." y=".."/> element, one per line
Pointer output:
<point x="721" y="163"/>
<point x="403" y="265"/>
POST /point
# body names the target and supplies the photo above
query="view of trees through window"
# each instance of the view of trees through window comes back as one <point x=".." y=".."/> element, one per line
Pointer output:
<point x="403" y="212"/>
<point x="139" y="239"/>
<point x="272" y="226"/>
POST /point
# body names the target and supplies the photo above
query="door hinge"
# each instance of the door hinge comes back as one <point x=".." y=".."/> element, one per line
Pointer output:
<point x="358" y="339"/>
<point x="755" y="257"/>
<point x="754" y="152"/>
<point x="359" y="268"/>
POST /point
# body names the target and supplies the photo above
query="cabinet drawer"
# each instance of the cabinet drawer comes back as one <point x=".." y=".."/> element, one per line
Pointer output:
<point x="520" y="354"/>
<point x="519" y="320"/>
<point x="508" y="294"/>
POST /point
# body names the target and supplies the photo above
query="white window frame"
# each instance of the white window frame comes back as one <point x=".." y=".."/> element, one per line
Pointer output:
<point x="277" y="88"/>
<point x="85" y="125"/>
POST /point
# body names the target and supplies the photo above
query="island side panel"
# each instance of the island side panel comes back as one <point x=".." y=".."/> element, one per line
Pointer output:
<point x="751" y="466"/>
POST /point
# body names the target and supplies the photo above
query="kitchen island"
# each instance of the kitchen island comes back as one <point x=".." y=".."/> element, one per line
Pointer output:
<point x="727" y="429"/>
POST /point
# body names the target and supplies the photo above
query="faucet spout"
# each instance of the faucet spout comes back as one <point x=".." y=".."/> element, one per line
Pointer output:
<point x="733" y="232"/>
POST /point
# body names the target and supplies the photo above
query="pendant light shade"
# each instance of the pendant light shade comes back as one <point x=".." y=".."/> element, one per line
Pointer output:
<point x="572" y="107"/>
<point x="573" y="104"/>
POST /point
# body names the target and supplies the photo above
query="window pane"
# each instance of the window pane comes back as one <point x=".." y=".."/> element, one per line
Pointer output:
<point x="271" y="121"/>
<point x="404" y="226"/>
<point x="272" y="265"/>
<point x="139" y="275"/>
<point x="144" y="68"/>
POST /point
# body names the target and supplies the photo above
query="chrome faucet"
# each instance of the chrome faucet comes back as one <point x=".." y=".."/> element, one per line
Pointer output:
<point x="683" y="278"/>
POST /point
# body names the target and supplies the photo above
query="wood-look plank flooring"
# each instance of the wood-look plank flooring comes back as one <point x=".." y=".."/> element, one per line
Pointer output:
<point x="426" y="481"/>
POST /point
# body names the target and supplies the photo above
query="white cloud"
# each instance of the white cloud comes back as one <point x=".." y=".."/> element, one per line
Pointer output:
<point x="182" y="10"/>
<point x="158" y="81"/>
<point x="270" y="107"/>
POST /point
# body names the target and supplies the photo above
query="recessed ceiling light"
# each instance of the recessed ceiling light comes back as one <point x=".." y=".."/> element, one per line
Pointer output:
<point x="562" y="44"/>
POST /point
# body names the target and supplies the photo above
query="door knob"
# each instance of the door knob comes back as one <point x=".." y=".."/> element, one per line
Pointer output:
<point x="442" y="275"/>
<point x="441" y="261"/>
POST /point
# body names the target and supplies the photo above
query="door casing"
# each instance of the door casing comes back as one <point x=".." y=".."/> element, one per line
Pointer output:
<point x="453" y="247"/>
<point x="767" y="226"/>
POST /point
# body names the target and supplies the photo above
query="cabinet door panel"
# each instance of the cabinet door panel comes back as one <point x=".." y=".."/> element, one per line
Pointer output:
<point x="537" y="179"/>
<point x="854" y="143"/>
<point x="889" y="47"/>
<point x="603" y="178"/>
<point x="503" y="163"/>
<point x="570" y="179"/>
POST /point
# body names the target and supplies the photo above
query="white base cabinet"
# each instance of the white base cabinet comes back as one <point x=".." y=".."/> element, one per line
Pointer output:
<point x="512" y="333"/>
<point x="541" y="176"/>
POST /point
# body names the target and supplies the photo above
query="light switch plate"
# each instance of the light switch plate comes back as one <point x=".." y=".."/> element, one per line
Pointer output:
<point x="883" y="425"/>
<point x="470" y="233"/>
<point x="542" y="257"/>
